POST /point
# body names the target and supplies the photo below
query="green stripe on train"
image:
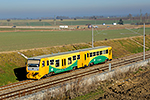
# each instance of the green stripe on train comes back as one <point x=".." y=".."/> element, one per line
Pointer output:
<point x="55" y="70"/>
<point x="98" y="59"/>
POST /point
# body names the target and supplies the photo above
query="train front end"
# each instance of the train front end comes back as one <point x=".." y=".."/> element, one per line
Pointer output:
<point x="33" y="69"/>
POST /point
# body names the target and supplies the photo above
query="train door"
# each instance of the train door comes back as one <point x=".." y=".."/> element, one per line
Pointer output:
<point x="84" y="59"/>
<point x="47" y="67"/>
<point x="44" y="66"/>
<point x="63" y="63"/>
<point x="80" y="59"/>
<point x="110" y="53"/>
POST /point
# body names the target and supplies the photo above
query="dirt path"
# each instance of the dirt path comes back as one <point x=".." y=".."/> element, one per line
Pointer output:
<point x="73" y="27"/>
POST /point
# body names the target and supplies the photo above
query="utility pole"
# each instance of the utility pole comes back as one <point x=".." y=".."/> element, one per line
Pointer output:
<point x="92" y="37"/>
<point x="144" y="41"/>
<point x="140" y="15"/>
<point x="54" y="20"/>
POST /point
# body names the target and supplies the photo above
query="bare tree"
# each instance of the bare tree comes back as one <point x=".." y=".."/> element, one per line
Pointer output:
<point x="148" y="17"/>
<point x="40" y="20"/>
<point x="140" y="17"/>
<point x="130" y="16"/>
<point x="8" y="20"/>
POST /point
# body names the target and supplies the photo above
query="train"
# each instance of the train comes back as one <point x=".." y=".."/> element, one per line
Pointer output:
<point x="47" y="65"/>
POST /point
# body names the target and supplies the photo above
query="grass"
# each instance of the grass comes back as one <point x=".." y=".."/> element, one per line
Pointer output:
<point x="7" y="76"/>
<point x="91" y="95"/>
<point x="22" y="29"/>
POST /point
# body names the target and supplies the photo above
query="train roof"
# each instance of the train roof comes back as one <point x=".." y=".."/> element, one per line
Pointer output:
<point x="62" y="53"/>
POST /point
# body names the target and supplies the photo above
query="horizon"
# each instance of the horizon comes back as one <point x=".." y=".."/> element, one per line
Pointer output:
<point x="38" y="9"/>
<point x="72" y="17"/>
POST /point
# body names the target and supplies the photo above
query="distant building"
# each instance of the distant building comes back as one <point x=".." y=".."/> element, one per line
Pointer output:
<point x="63" y="27"/>
<point x="114" y="23"/>
<point x="89" y="26"/>
<point x="103" y="24"/>
<point x="95" y="26"/>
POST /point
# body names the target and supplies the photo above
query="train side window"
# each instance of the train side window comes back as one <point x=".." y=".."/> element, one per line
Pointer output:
<point x="43" y="63"/>
<point x="69" y="61"/>
<point x="91" y="54"/>
<point x="100" y="52"/>
<point x="87" y="55"/>
<point x="52" y="62"/>
<point x="104" y="52"/>
<point x="57" y="63"/>
<point x="47" y="62"/>
<point x="97" y="52"/>
<point x="78" y="57"/>
<point x="107" y="51"/>
<point x="65" y="62"/>
<point x="62" y="62"/>
<point x="74" y="57"/>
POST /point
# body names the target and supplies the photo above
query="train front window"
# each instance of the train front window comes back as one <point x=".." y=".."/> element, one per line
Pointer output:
<point x="33" y="63"/>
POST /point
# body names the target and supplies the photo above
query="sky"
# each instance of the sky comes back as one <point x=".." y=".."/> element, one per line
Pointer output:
<point x="71" y="8"/>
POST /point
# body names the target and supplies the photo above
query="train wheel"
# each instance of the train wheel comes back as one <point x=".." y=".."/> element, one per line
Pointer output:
<point x="106" y="60"/>
<point x="46" y="75"/>
<point x="91" y="64"/>
<point x="50" y="74"/>
<point x="84" y="66"/>
<point x="74" y="68"/>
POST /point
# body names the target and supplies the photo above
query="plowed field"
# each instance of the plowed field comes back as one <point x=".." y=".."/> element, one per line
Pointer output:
<point x="137" y="87"/>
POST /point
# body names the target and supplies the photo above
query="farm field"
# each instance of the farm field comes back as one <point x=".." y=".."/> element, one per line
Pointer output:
<point x="11" y="41"/>
<point x="64" y="22"/>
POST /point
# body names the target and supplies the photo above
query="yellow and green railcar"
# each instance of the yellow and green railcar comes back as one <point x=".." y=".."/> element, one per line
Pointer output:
<point x="46" y="65"/>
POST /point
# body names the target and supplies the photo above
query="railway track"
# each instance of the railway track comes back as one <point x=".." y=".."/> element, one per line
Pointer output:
<point x="29" y="86"/>
<point x="15" y="85"/>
